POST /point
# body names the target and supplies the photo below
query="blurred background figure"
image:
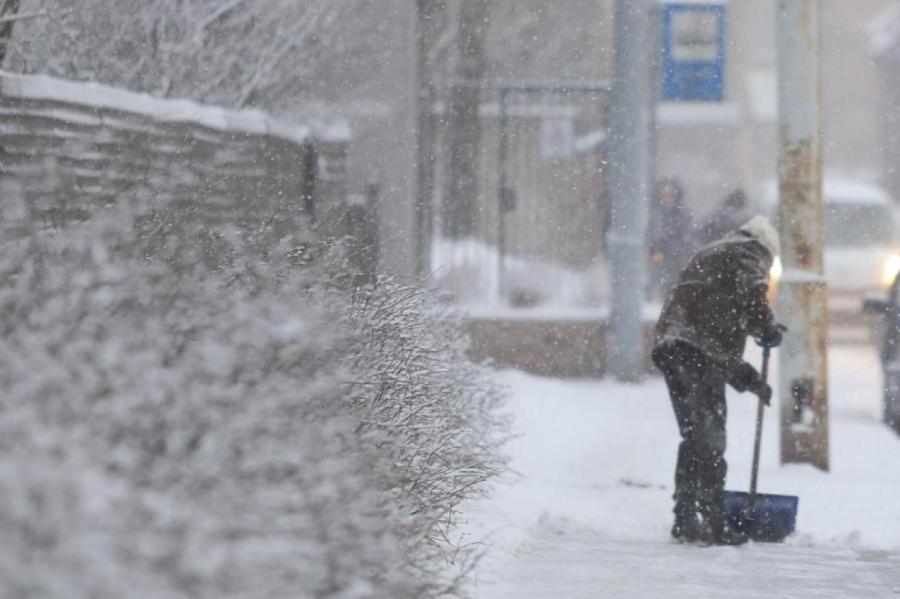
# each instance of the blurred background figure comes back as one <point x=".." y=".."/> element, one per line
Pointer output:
<point x="669" y="236"/>
<point x="730" y="215"/>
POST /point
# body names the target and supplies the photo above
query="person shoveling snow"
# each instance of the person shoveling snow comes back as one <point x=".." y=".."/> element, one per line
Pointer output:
<point x="719" y="299"/>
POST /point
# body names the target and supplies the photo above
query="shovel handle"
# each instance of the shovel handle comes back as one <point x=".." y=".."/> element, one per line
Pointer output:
<point x="757" y="441"/>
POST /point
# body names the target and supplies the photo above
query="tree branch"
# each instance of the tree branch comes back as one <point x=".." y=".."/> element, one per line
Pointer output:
<point x="27" y="16"/>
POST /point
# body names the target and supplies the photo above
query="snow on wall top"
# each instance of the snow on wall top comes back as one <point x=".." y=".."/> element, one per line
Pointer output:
<point x="837" y="189"/>
<point x="248" y="120"/>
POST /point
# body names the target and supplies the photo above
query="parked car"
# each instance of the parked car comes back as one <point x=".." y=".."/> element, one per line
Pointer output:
<point x="861" y="254"/>
<point x="888" y="310"/>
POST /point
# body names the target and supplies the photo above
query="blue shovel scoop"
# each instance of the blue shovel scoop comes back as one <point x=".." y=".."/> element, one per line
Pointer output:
<point x="763" y="517"/>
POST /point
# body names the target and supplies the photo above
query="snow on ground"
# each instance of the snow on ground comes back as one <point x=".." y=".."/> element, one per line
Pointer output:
<point x="589" y="513"/>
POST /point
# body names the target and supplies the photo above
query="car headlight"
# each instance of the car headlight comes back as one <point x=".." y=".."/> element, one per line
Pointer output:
<point x="890" y="270"/>
<point x="777" y="269"/>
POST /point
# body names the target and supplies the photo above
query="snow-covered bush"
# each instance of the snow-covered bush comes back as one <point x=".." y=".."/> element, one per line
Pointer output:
<point x="188" y="412"/>
<point x="436" y="407"/>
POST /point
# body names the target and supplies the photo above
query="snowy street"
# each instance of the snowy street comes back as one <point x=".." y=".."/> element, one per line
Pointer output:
<point x="336" y="299"/>
<point x="589" y="513"/>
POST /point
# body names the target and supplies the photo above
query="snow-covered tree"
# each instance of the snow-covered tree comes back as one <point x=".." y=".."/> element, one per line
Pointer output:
<point x="233" y="52"/>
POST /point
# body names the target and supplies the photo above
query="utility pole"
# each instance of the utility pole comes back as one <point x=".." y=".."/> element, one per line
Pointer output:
<point x="803" y="371"/>
<point x="463" y="124"/>
<point x="628" y="185"/>
<point x="428" y="13"/>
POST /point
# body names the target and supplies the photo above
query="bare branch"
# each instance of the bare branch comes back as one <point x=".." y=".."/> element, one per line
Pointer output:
<point x="27" y="16"/>
<point x="218" y="14"/>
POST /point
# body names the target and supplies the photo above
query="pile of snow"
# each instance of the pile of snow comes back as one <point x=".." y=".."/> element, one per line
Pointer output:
<point x="469" y="271"/>
<point x="190" y="413"/>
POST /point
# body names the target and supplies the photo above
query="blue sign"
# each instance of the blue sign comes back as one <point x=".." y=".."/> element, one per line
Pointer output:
<point x="693" y="53"/>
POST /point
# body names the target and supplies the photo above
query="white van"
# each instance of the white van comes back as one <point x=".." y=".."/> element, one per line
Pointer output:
<point x="861" y="249"/>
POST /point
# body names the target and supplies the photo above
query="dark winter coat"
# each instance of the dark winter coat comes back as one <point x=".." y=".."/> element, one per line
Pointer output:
<point x="719" y="299"/>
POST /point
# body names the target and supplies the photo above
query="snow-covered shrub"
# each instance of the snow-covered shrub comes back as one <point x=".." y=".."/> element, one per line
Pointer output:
<point x="201" y="413"/>
<point x="437" y="408"/>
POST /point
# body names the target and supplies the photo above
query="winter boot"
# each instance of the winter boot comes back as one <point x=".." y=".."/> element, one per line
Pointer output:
<point x="720" y="532"/>
<point x="688" y="528"/>
<point x="726" y="535"/>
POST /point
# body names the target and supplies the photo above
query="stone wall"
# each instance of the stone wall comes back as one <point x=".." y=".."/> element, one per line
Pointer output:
<point x="70" y="147"/>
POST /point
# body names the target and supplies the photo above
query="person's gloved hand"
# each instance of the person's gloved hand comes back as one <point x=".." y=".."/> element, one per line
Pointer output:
<point x="772" y="336"/>
<point x="763" y="391"/>
<point x="745" y="378"/>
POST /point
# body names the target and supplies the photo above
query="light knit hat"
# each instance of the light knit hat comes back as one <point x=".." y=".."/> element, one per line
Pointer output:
<point x="762" y="231"/>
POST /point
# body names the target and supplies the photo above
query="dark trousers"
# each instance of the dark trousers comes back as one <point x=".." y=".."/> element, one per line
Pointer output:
<point x="697" y="391"/>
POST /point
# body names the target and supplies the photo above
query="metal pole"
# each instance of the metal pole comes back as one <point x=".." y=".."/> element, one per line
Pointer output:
<point x="628" y="186"/>
<point x="502" y="194"/>
<point x="654" y="93"/>
<point x="803" y="372"/>
<point x="428" y="14"/>
<point x="463" y="124"/>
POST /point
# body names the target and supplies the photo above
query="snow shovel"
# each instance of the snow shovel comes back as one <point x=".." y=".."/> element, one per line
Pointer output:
<point x="763" y="517"/>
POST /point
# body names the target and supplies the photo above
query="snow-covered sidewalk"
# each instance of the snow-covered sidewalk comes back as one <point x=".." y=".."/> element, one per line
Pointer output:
<point x="589" y="513"/>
